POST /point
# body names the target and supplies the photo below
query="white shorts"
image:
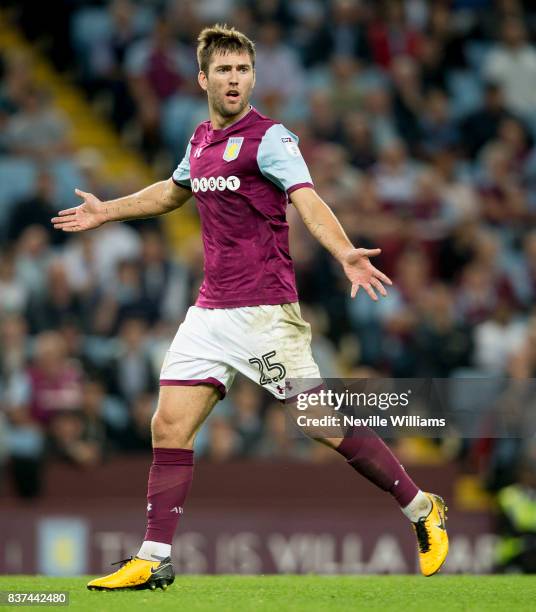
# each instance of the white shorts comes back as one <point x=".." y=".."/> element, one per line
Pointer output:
<point x="265" y="343"/>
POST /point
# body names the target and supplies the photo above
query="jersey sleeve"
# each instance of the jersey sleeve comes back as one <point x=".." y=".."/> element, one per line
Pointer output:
<point x="280" y="161"/>
<point x="181" y="175"/>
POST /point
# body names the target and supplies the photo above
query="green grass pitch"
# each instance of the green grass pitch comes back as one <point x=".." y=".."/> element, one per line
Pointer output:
<point x="298" y="593"/>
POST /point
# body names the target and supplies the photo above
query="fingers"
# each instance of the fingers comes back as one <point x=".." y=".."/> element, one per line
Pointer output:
<point x="368" y="288"/>
<point x="355" y="289"/>
<point x="67" y="225"/>
<point x="376" y="283"/>
<point x="383" y="277"/>
<point x="63" y="220"/>
<point x="64" y="213"/>
<point x="357" y="254"/>
<point x="82" y="194"/>
<point x="370" y="252"/>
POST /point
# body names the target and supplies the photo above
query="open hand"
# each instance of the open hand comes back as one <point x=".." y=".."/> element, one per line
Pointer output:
<point x="88" y="215"/>
<point x="361" y="273"/>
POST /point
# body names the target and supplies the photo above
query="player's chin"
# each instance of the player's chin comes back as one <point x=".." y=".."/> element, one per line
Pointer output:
<point x="233" y="106"/>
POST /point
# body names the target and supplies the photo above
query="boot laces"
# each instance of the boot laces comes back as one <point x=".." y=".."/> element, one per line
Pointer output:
<point x="123" y="562"/>
<point x="423" y="536"/>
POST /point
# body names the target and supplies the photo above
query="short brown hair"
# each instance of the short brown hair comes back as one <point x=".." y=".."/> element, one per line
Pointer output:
<point x="222" y="39"/>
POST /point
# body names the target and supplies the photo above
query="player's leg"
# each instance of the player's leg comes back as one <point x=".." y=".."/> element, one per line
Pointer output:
<point x="194" y="377"/>
<point x="180" y="413"/>
<point x="273" y="344"/>
<point x="368" y="454"/>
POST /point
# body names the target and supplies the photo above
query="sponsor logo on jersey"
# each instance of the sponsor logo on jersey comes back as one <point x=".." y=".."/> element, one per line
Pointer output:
<point x="291" y="146"/>
<point x="215" y="183"/>
<point x="233" y="148"/>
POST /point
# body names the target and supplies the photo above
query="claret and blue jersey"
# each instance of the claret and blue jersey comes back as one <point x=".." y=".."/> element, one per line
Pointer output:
<point x="241" y="177"/>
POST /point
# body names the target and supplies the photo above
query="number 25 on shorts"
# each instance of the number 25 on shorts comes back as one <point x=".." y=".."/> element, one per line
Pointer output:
<point x="270" y="371"/>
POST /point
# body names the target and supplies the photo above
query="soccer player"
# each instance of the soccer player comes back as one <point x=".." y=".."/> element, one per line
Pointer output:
<point x="243" y="169"/>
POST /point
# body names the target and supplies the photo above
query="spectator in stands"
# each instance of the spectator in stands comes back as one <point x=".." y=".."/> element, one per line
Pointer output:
<point x="378" y="106"/>
<point x="324" y="124"/>
<point x="55" y="382"/>
<point x="498" y="338"/>
<point x="17" y="81"/>
<point x="391" y="36"/>
<point x="38" y="129"/>
<point x="37" y="209"/>
<point x="103" y="250"/>
<point x="106" y="60"/>
<point x="126" y="299"/>
<point x="33" y="259"/>
<point x="67" y="441"/>
<point x="79" y="259"/>
<point x="438" y="128"/>
<point x="358" y="140"/>
<point x="481" y="125"/>
<point x="224" y="442"/>
<point x="131" y="370"/>
<point x="342" y="33"/>
<point x="48" y="310"/>
<point x="512" y="64"/>
<point x="408" y="101"/>
<point x="514" y="135"/>
<point x="13" y="293"/>
<point x="247" y="414"/>
<point x="104" y="417"/>
<point x="394" y="176"/>
<point x="442" y="344"/>
<point x="477" y="295"/>
<point x="279" y="441"/>
<point x="516" y="548"/>
<point x="432" y="60"/>
<point x="346" y="84"/>
<point x="165" y="283"/>
<point x="502" y="197"/>
<point x="522" y="272"/>
<point x="280" y="79"/>
<point x="14" y="350"/>
<point x="136" y="436"/>
<point x="26" y="447"/>
<point x="400" y="319"/>
<point x="157" y="67"/>
<point x="523" y="362"/>
<point x="457" y="191"/>
<point x="448" y="35"/>
<point x="332" y="171"/>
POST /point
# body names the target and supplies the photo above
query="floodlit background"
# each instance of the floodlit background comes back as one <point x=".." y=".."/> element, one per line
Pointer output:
<point x="418" y="122"/>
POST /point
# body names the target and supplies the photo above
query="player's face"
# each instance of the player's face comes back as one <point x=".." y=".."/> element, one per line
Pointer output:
<point x="229" y="82"/>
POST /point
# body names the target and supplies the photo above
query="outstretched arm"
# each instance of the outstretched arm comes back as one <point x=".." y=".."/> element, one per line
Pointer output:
<point x="325" y="227"/>
<point x="157" y="199"/>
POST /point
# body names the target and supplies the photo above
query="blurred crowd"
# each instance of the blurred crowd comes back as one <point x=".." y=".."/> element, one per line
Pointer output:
<point x="418" y="122"/>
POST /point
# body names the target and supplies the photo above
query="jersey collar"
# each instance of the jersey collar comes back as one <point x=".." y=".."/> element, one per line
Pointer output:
<point x="239" y="123"/>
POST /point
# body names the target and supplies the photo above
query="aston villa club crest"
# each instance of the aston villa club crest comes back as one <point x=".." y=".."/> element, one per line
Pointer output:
<point x="233" y="148"/>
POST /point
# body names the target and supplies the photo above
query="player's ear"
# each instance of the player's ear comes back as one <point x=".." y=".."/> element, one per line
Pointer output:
<point x="202" y="80"/>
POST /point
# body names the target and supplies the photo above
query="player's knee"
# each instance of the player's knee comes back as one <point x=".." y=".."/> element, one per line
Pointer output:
<point x="168" y="428"/>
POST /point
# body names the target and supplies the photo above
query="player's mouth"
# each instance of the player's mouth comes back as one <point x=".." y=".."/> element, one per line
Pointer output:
<point x="232" y="95"/>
